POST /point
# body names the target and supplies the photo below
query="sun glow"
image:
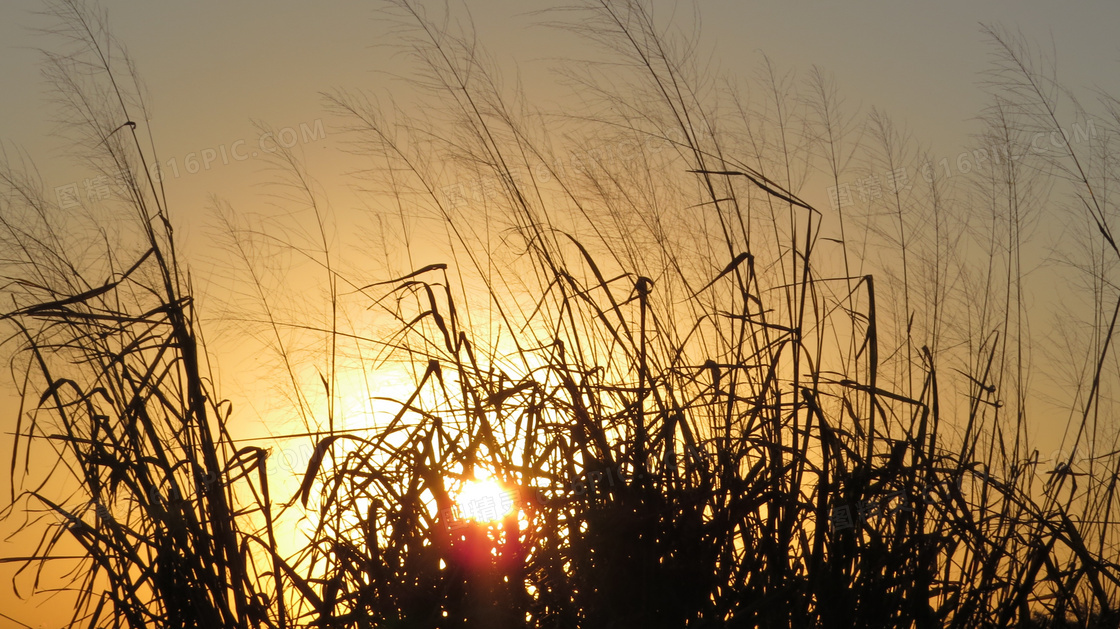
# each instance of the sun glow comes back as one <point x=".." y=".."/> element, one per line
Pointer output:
<point x="484" y="499"/>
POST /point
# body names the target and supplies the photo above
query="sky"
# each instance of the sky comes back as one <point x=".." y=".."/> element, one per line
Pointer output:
<point x="212" y="67"/>
<point x="215" y="69"/>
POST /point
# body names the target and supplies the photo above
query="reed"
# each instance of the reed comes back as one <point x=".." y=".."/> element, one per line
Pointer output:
<point x="695" y="419"/>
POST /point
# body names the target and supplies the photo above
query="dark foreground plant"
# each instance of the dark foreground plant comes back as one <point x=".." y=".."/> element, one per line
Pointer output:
<point x="695" y="424"/>
<point x="119" y="409"/>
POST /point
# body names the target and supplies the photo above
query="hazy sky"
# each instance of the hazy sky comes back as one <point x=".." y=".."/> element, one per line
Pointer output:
<point x="212" y="68"/>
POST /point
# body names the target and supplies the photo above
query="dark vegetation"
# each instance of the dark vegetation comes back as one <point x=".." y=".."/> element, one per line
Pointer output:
<point x="712" y="413"/>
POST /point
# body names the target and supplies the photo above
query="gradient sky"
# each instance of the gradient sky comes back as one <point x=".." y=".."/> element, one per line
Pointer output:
<point x="213" y="67"/>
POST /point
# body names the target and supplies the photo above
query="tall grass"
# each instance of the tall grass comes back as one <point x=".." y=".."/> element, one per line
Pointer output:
<point x="699" y="420"/>
<point x="116" y="386"/>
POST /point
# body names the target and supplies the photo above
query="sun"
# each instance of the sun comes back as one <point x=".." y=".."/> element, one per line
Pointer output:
<point x="484" y="499"/>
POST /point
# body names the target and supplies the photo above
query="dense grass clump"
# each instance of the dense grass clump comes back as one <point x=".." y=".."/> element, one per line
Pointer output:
<point x="702" y="407"/>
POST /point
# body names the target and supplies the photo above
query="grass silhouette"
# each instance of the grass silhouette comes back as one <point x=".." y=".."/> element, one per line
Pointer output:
<point x="696" y="421"/>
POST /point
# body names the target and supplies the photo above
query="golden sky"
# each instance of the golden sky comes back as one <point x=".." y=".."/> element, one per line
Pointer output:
<point x="215" y="68"/>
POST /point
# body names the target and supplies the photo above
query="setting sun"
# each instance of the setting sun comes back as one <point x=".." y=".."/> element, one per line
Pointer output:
<point x="484" y="499"/>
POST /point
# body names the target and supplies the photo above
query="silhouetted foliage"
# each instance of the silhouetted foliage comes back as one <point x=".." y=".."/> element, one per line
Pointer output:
<point x="697" y="423"/>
